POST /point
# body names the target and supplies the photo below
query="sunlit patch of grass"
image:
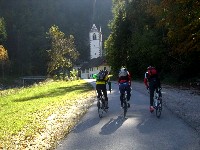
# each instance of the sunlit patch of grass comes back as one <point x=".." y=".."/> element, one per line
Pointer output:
<point x="29" y="107"/>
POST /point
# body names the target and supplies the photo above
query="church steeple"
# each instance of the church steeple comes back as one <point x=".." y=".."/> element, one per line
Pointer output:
<point x="95" y="37"/>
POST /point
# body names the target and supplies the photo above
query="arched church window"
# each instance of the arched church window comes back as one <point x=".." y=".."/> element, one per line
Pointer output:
<point x="94" y="36"/>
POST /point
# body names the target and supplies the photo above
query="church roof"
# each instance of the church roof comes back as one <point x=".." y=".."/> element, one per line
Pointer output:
<point x="94" y="28"/>
<point x="95" y="62"/>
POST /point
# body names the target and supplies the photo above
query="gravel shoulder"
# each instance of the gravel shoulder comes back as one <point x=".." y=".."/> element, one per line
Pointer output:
<point x="183" y="102"/>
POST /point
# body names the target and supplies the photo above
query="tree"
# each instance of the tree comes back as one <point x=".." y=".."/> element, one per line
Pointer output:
<point x="3" y="34"/>
<point x="181" y="20"/>
<point x="62" y="53"/>
<point x="3" y="51"/>
<point x="115" y="45"/>
<point x="134" y="40"/>
<point x="3" y="58"/>
<point x="74" y="74"/>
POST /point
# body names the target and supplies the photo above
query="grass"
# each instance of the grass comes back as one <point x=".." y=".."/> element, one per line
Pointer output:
<point x="29" y="107"/>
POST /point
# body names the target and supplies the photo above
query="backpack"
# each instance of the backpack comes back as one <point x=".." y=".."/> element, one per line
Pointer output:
<point x="123" y="72"/>
<point x="152" y="71"/>
<point x="101" y="76"/>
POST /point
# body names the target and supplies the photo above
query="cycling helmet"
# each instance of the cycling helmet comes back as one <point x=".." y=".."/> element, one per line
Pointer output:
<point x="149" y="67"/>
<point x="123" y="69"/>
<point x="106" y="72"/>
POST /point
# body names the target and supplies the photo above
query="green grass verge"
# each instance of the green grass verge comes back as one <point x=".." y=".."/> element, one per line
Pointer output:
<point x="29" y="107"/>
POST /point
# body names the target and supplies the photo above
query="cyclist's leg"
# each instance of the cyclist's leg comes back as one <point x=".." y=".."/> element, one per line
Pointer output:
<point x="157" y="89"/>
<point x="104" y="90"/>
<point x="128" y="90"/>
<point x="105" y="94"/>
<point x="151" y="89"/>
<point x="160" y="94"/>
<point x="98" y="88"/>
<point x="109" y="85"/>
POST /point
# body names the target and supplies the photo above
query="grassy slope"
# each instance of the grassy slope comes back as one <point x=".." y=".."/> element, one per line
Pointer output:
<point x="29" y="107"/>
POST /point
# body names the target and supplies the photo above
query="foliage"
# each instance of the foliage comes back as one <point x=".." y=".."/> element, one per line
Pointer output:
<point x="116" y="43"/>
<point x="180" y="18"/>
<point x="3" y="33"/>
<point x="3" y="59"/>
<point x="164" y="34"/>
<point x="133" y="38"/>
<point x="3" y="54"/>
<point x="62" y="53"/>
<point x="74" y="74"/>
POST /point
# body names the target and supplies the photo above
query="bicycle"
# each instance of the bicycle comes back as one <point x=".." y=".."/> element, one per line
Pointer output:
<point x="157" y="102"/>
<point x="101" y="106"/>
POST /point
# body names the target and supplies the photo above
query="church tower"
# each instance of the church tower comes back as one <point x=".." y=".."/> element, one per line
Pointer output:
<point x="95" y="37"/>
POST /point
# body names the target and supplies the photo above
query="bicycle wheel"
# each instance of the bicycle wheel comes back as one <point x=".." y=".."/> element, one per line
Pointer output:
<point x="104" y="106"/>
<point x="125" y="108"/>
<point x="159" y="109"/>
<point x="100" y="110"/>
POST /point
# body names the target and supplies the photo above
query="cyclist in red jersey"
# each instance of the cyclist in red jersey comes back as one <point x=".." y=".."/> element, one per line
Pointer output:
<point x="124" y="81"/>
<point x="152" y="83"/>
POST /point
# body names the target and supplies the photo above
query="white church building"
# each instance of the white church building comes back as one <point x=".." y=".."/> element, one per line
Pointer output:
<point x="95" y="38"/>
<point x="97" y="60"/>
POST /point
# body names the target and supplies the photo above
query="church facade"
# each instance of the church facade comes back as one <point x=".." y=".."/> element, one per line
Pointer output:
<point x="97" y="59"/>
<point x="95" y="37"/>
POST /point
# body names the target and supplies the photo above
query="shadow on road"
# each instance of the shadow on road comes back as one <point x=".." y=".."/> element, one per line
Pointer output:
<point x="112" y="125"/>
<point x="86" y="125"/>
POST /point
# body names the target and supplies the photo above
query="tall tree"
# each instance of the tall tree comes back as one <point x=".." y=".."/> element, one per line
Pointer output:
<point x="62" y="53"/>
<point x="115" y="45"/>
<point x="134" y="40"/>
<point x="3" y="58"/>
<point x="3" y="33"/>
<point x="181" y="19"/>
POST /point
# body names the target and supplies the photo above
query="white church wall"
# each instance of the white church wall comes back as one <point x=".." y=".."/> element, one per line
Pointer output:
<point x="95" y="49"/>
<point x="95" y="43"/>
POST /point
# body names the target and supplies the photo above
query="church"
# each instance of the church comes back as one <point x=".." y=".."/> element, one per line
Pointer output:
<point x="97" y="60"/>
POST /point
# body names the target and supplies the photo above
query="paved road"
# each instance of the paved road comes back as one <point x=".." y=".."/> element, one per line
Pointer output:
<point x="140" y="131"/>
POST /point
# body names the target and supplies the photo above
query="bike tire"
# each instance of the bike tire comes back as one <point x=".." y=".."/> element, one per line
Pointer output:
<point x="125" y="109"/>
<point x="98" y="104"/>
<point x="100" y="111"/>
<point x="159" y="109"/>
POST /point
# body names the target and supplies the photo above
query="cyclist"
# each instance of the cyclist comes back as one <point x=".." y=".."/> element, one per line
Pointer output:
<point x="101" y="81"/>
<point x="124" y="81"/>
<point x="152" y="83"/>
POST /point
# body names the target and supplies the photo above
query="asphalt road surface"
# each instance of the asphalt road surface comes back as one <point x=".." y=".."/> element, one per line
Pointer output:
<point x="141" y="130"/>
